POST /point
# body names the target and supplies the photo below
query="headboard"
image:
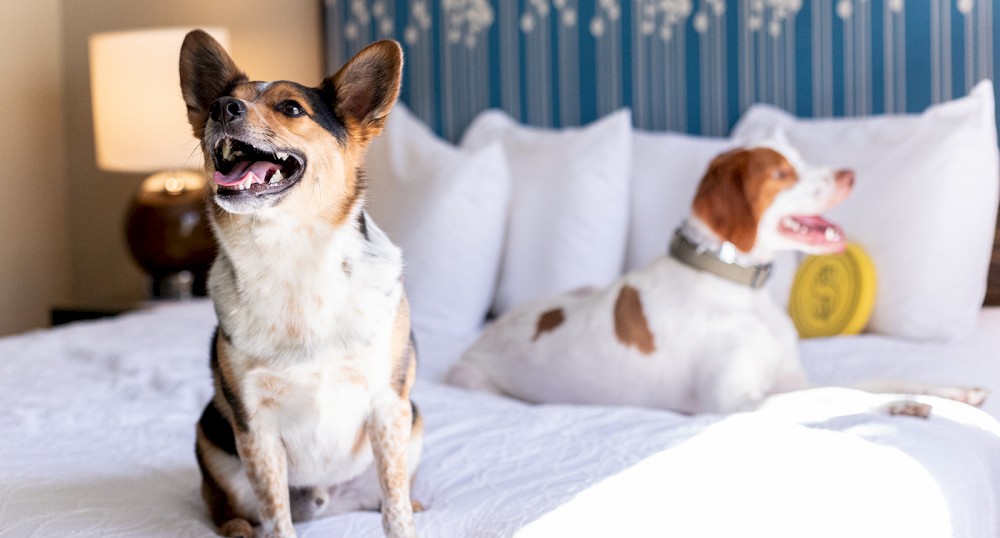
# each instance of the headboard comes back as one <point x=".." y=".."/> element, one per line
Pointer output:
<point x="681" y="65"/>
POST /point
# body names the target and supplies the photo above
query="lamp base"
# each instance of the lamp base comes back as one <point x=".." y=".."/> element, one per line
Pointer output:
<point x="169" y="236"/>
<point x="179" y="285"/>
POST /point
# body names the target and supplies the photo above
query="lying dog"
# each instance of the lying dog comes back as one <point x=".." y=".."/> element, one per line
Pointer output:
<point x="692" y="332"/>
<point x="312" y="360"/>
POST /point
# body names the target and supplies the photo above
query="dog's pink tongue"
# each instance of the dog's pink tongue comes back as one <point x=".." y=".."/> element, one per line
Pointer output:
<point x="262" y="170"/>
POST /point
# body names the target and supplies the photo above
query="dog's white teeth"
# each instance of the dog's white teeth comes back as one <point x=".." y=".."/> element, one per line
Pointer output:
<point x="831" y="234"/>
<point x="282" y="156"/>
<point x="276" y="177"/>
<point x="791" y="224"/>
<point x="227" y="149"/>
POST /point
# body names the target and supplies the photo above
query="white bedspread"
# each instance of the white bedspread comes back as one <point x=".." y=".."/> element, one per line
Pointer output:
<point x="97" y="432"/>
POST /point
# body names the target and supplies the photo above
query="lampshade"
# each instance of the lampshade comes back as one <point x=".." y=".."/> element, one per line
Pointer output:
<point x="140" y="120"/>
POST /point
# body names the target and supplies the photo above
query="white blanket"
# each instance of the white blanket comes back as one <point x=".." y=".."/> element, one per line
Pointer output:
<point x="97" y="434"/>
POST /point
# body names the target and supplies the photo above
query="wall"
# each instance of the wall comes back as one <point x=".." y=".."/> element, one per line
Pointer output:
<point x="270" y="39"/>
<point x="680" y="66"/>
<point x="33" y="235"/>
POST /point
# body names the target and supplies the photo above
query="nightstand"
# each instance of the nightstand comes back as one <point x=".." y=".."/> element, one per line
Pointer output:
<point x="68" y="313"/>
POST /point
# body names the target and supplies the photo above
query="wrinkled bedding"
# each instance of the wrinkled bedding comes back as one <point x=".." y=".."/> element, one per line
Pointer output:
<point x="96" y="439"/>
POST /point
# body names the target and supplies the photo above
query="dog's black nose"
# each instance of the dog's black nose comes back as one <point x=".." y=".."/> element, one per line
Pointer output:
<point x="227" y="109"/>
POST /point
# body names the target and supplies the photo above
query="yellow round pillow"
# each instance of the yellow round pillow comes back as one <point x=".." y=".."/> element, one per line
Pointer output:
<point x="833" y="294"/>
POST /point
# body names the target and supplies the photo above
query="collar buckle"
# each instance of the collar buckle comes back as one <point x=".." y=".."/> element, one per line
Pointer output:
<point x="722" y="261"/>
<point x="761" y="274"/>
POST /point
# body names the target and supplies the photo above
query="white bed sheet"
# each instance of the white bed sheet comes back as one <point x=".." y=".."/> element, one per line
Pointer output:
<point x="96" y="439"/>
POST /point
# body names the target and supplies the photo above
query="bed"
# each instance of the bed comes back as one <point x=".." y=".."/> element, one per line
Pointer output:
<point x="98" y="441"/>
<point x="97" y="418"/>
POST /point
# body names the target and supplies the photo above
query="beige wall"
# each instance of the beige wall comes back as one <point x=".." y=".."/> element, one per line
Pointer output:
<point x="270" y="39"/>
<point x="34" y="264"/>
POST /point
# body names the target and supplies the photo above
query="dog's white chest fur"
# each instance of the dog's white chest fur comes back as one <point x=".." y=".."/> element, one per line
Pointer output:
<point x="324" y="292"/>
<point x="312" y="327"/>
<point x="318" y="411"/>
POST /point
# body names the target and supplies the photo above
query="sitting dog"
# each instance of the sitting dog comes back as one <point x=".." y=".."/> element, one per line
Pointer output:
<point x="312" y="359"/>
<point x="693" y="332"/>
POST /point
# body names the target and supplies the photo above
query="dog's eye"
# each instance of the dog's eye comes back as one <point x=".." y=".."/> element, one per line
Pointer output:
<point x="291" y="109"/>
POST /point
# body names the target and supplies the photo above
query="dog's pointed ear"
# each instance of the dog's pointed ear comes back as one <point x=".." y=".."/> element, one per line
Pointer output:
<point x="207" y="73"/>
<point x="723" y="202"/>
<point x="366" y="88"/>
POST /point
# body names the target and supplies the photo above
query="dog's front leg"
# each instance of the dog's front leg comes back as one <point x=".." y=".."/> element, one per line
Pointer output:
<point x="266" y="466"/>
<point x="389" y="431"/>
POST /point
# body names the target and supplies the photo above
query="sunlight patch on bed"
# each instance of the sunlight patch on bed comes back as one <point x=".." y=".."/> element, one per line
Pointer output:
<point x="759" y="469"/>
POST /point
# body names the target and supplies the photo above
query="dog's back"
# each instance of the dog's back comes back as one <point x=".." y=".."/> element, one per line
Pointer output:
<point x="647" y="340"/>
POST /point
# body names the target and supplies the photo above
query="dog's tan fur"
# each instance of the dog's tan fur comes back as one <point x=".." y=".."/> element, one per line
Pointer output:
<point x="313" y="361"/>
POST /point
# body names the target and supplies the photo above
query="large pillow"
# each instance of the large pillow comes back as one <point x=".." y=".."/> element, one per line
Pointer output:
<point x="569" y="207"/>
<point x="924" y="205"/>
<point x="666" y="170"/>
<point x="447" y="210"/>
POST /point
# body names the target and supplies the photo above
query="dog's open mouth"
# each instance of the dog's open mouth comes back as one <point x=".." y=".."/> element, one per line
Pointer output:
<point x="814" y="231"/>
<point x="242" y="169"/>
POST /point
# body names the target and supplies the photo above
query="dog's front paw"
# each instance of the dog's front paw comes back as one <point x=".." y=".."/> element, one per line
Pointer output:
<point x="237" y="528"/>
<point x="398" y="525"/>
<point x="276" y="530"/>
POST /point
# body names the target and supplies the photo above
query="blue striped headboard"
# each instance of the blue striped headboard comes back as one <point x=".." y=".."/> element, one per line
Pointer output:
<point x="682" y="65"/>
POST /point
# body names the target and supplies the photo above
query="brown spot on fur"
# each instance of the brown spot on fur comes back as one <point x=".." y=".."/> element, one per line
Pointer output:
<point x="353" y="376"/>
<point x="737" y="189"/>
<point x="272" y="385"/>
<point x="548" y="321"/>
<point x="631" y="326"/>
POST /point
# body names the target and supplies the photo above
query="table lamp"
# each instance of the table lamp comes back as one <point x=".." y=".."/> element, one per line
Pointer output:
<point x="140" y="126"/>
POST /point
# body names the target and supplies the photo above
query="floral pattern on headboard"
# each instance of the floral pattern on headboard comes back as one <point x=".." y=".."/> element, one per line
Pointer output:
<point x="682" y="65"/>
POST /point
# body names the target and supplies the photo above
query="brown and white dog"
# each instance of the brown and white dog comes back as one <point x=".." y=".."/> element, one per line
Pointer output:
<point x="692" y="332"/>
<point x="312" y="360"/>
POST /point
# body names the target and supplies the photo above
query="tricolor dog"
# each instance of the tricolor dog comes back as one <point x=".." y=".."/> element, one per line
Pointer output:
<point x="312" y="359"/>
<point x="694" y="331"/>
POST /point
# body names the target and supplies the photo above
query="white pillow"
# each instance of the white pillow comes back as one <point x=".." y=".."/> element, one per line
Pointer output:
<point x="924" y="205"/>
<point x="569" y="207"/>
<point x="666" y="170"/>
<point x="447" y="210"/>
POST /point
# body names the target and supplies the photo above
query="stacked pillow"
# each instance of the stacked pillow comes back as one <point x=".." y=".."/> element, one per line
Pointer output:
<point x="569" y="203"/>
<point x="447" y="209"/>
